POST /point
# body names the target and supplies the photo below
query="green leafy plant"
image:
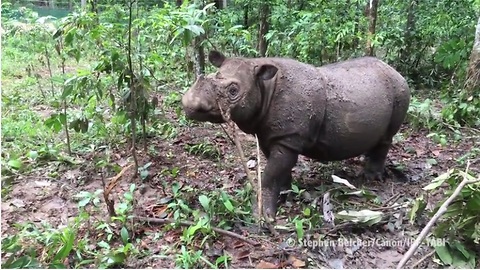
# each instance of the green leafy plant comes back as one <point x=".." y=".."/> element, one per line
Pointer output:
<point x="191" y="259"/>
<point x="206" y="150"/>
<point x="54" y="245"/>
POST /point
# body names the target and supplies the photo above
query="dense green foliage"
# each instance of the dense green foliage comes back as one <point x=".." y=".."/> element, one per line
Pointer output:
<point x="114" y="74"/>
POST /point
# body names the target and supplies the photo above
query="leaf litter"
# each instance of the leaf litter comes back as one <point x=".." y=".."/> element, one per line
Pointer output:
<point x="41" y="197"/>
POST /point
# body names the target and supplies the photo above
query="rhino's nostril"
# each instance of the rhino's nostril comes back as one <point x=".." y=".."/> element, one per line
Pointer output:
<point x="202" y="106"/>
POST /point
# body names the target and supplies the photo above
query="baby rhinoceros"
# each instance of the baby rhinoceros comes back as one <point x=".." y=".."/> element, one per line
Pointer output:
<point x="329" y="113"/>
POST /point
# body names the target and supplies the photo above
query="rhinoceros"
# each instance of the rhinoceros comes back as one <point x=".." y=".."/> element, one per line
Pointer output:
<point x="328" y="113"/>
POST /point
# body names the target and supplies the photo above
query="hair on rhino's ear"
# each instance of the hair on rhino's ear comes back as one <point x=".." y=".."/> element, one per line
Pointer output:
<point x="266" y="72"/>
<point x="216" y="58"/>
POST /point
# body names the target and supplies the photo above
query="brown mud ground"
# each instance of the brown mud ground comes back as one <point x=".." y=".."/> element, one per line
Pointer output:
<point x="42" y="197"/>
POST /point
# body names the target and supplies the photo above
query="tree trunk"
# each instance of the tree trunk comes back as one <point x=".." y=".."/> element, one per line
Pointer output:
<point x="405" y="52"/>
<point x="473" y="74"/>
<point x="301" y="5"/>
<point x="263" y="30"/>
<point x="357" y="28"/>
<point x="245" y="17"/>
<point x="199" y="56"/>
<point x="219" y="4"/>
<point x="372" y="16"/>
<point x="94" y="5"/>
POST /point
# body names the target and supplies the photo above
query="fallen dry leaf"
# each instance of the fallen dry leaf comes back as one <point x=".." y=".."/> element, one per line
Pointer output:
<point x="160" y="211"/>
<point x="18" y="203"/>
<point x="171" y="236"/>
<point x="72" y="174"/>
<point x="265" y="265"/>
<point x="143" y="244"/>
<point x="43" y="183"/>
<point x="337" y="179"/>
<point x="191" y="174"/>
<point x="243" y="254"/>
<point x="420" y="151"/>
<point x="296" y="263"/>
<point x="238" y="244"/>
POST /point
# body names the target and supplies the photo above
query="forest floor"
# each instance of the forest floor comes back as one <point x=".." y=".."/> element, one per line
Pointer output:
<point x="42" y="197"/>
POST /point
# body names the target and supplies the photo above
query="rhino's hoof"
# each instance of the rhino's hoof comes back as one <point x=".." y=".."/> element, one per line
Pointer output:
<point x="268" y="211"/>
<point x="269" y="214"/>
<point x="370" y="176"/>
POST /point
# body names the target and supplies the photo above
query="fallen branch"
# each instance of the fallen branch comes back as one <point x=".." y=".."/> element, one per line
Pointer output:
<point x="190" y="223"/>
<point x="259" y="180"/>
<point x="252" y="180"/>
<point x="242" y="155"/>
<point x="438" y="214"/>
<point x="238" y="145"/>
<point x="226" y="117"/>
<point x="228" y="135"/>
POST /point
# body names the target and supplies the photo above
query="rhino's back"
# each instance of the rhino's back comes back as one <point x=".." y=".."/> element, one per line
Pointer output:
<point x="366" y="71"/>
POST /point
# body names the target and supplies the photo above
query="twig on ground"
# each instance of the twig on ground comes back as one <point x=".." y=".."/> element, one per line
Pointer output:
<point x="338" y="227"/>
<point x="387" y="207"/>
<point x="423" y="259"/>
<point x="190" y="223"/>
<point x="438" y="214"/>
<point x="108" y="188"/>
<point x="228" y="135"/>
<point x="393" y="198"/>
<point x="452" y="127"/>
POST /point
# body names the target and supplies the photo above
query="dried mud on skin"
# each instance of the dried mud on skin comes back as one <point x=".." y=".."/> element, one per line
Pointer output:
<point x="39" y="198"/>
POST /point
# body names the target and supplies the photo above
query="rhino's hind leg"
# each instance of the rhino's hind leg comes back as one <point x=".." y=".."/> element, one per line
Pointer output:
<point x="375" y="160"/>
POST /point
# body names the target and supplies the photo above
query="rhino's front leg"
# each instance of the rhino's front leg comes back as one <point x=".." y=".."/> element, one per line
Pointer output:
<point x="277" y="174"/>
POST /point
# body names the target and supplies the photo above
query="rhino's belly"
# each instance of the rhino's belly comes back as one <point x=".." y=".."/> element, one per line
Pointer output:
<point x="349" y="134"/>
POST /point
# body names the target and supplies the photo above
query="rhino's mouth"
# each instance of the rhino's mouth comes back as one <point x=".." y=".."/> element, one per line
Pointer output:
<point x="213" y="116"/>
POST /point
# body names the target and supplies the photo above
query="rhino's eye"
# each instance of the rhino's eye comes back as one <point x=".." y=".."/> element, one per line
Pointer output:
<point x="233" y="91"/>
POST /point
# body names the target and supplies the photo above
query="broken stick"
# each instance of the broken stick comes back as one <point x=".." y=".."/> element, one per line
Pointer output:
<point x="190" y="223"/>
<point x="438" y="214"/>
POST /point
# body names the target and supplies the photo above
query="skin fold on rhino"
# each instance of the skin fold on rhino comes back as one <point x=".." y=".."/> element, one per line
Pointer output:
<point x="329" y="113"/>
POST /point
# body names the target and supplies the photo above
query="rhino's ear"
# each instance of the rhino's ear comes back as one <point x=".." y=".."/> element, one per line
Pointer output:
<point x="216" y="58"/>
<point x="266" y="72"/>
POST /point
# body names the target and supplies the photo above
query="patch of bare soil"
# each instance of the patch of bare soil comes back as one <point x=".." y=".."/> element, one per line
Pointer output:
<point x="40" y="197"/>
